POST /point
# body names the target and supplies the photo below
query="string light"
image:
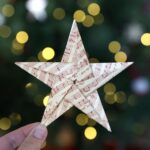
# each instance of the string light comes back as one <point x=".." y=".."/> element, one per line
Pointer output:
<point x="82" y="119"/>
<point x="5" y="31"/>
<point x="90" y="133"/>
<point x="59" y="13"/>
<point x="22" y="37"/>
<point x="89" y="21"/>
<point x="109" y="89"/>
<point x="45" y="100"/>
<point x="114" y="46"/>
<point x="94" y="9"/>
<point x="145" y="39"/>
<point x="120" y="57"/>
<point x="5" y="123"/>
<point x="48" y="53"/>
<point x="79" y="15"/>
<point x="8" y="10"/>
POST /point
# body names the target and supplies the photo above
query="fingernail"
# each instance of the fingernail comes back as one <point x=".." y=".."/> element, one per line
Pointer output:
<point x="40" y="132"/>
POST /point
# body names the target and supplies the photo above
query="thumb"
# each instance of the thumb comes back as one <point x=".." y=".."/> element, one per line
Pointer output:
<point x="35" y="139"/>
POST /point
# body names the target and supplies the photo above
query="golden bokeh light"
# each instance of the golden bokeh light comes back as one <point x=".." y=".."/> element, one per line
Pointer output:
<point x="120" y="57"/>
<point x="17" y="48"/>
<point x="109" y="88"/>
<point x="5" y="31"/>
<point x="114" y="46"/>
<point x="82" y="119"/>
<point x="94" y="60"/>
<point x="90" y="133"/>
<point x="89" y="21"/>
<point x="94" y="9"/>
<point x="15" y="118"/>
<point x="40" y="57"/>
<point x="109" y="99"/>
<point x="59" y="13"/>
<point x="28" y="85"/>
<point x="120" y="97"/>
<point x="5" y="123"/>
<point x="48" y="53"/>
<point x="8" y="10"/>
<point x="79" y="15"/>
<point x="145" y="39"/>
<point x="45" y="100"/>
<point x="91" y="122"/>
<point x="22" y="37"/>
<point x="98" y="19"/>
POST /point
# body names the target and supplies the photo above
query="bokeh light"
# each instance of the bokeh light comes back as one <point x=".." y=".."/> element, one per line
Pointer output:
<point x="48" y="53"/>
<point x="98" y="19"/>
<point x="93" y="60"/>
<point x="22" y="37"/>
<point x="45" y="100"/>
<point x="145" y="39"/>
<point x="93" y="9"/>
<point x="89" y="21"/>
<point x="2" y="19"/>
<point x="114" y="46"/>
<point x="8" y="10"/>
<point x="17" y="48"/>
<point x="5" y="31"/>
<point x="109" y="99"/>
<point x="90" y="133"/>
<point x="79" y="15"/>
<point x="120" y="97"/>
<point x="91" y="122"/>
<point x="120" y="57"/>
<point x="59" y="13"/>
<point x="82" y="119"/>
<point x="15" y="118"/>
<point x="109" y="88"/>
<point x="5" y="123"/>
<point x="28" y="85"/>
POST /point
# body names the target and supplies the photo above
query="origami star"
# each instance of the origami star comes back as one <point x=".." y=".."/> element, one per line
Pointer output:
<point x="74" y="81"/>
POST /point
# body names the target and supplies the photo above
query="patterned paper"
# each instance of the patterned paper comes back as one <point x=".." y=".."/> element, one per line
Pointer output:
<point x="74" y="81"/>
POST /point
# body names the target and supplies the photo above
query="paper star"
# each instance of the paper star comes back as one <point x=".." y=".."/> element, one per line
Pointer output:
<point x="74" y="81"/>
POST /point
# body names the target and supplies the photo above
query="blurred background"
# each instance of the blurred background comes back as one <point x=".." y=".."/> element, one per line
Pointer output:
<point x="112" y="31"/>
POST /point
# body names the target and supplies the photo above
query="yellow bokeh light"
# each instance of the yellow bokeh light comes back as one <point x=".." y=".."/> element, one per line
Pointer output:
<point x="15" y="118"/>
<point x="98" y="19"/>
<point x="91" y="122"/>
<point x="94" y="60"/>
<point x="89" y="21"/>
<point x="114" y="46"/>
<point x="145" y="39"/>
<point x="40" y="57"/>
<point x="109" y="89"/>
<point x="5" y="31"/>
<point x="82" y="119"/>
<point x="120" y="97"/>
<point x="22" y="37"/>
<point x="94" y="9"/>
<point x="79" y="15"/>
<point x="8" y="10"/>
<point x="5" y="123"/>
<point x="59" y="13"/>
<point x="120" y="57"/>
<point x="48" y="53"/>
<point x="90" y="133"/>
<point x="28" y="85"/>
<point x="17" y="48"/>
<point x="110" y="99"/>
<point x="45" y="100"/>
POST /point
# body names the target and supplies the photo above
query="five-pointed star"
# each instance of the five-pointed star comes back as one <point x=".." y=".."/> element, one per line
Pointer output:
<point x="74" y="81"/>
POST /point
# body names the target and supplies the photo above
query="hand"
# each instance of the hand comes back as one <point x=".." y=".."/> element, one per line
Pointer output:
<point x="30" y="137"/>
